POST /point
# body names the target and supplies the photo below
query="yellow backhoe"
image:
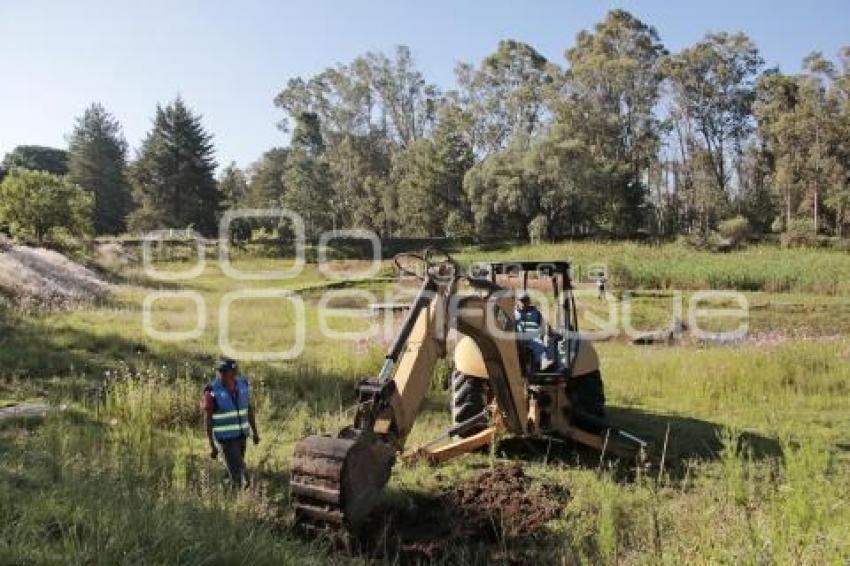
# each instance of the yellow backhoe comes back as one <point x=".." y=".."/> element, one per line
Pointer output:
<point x="497" y="386"/>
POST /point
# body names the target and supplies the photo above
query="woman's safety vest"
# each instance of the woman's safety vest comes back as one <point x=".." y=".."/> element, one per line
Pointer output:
<point x="230" y="419"/>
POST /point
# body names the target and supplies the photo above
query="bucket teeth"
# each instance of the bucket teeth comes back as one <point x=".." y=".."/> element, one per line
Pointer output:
<point x="323" y="493"/>
<point x="335" y="481"/>
<point x="318" y="515"/>
<point x="315" y="484"/>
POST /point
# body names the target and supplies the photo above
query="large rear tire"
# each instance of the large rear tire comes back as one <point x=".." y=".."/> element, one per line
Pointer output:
<point x="468" y="399"/>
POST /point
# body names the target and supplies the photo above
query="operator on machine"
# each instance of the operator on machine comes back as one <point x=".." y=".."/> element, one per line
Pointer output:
<point x="530" y="325"/>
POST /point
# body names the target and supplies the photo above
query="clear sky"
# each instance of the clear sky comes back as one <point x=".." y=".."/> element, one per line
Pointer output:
<point x="228" y="59"/>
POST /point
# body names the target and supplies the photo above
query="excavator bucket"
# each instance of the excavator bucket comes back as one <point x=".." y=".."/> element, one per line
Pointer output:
<point x="336" y="482"/>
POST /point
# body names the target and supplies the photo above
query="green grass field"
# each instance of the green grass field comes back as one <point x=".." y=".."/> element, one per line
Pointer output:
<point x="756" y="469"/>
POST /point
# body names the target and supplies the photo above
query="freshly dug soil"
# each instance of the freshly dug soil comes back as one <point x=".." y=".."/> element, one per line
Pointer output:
<point x="502" y="503"/>
<point x="500" y="508"/>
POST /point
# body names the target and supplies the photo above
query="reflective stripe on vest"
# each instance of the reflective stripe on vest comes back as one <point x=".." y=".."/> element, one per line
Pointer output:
<point x="528" y="326"/>
<point x="528" y="322"/>
<point x="230" y="414"/>
<point x="218" y="430"/>
<point x="230" y="419"/>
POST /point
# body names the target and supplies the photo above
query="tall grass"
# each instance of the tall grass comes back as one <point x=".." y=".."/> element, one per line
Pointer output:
<point x="127" y="478"/>
<point x="128" y="481"/>
<point x="637" y="266"/>
<point x="749" y="385"/>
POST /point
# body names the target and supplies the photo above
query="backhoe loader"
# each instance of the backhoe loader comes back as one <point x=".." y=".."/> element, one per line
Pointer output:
<point x="496" y="387"/>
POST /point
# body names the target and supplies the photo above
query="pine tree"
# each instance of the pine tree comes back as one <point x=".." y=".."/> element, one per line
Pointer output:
<point x="97" y="160"/>
<point x="173" y="180"/>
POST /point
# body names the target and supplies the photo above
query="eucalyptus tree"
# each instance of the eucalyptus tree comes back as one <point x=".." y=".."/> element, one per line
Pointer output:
<point x="233" y="186"/>
<point x="265" y="179"/>
<point x="506" y="96"/>
<point x="429" y="178"/>
<point x="610" y="91"/>
<point x="713" y="88"/>
<point x="804" y="121"/>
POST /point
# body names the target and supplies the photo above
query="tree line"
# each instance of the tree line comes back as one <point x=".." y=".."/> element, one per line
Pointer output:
<point x="623" y="137"/>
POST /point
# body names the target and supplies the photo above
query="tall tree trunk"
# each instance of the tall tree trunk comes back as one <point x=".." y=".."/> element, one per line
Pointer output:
<point x="816" y="209"/>
<point x="817" y="177"/>
<point x="787" y="206"/>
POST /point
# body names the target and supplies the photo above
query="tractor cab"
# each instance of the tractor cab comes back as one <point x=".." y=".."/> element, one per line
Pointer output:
<point x="549" y="286"/>
<point x="569" y="392"/>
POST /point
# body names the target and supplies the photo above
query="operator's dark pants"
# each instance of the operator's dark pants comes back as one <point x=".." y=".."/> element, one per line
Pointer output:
<point x="234" y="457"/>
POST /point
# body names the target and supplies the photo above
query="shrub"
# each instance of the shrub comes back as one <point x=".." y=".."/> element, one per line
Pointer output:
<point x="35" y="204"/>
<point x="842" y="244"/>
<point x="699" y="240"/>
<point x="799" y="233"/>
<point x="736" y="229"/>
<point x="153" y="398"/>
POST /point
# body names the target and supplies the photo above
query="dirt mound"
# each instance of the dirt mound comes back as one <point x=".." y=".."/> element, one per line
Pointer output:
<point x="495" y="512"/>
<point x="37" y="278"/>
<point x="501" y="502"/>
